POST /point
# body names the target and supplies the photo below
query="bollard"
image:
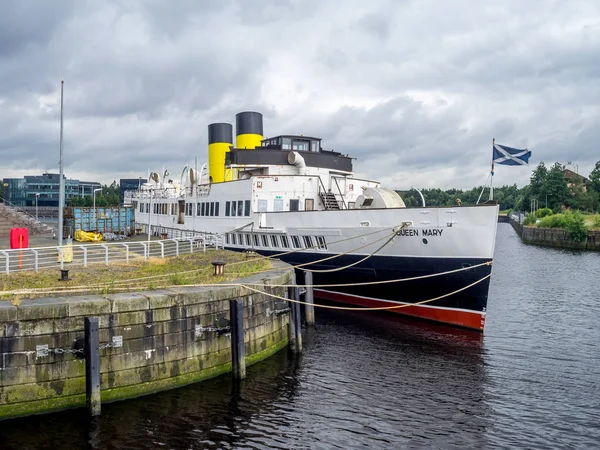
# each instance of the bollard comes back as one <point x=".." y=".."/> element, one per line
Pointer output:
<point x="219" y="268"/>
<point x="64" y="275"/>
<point x="309" y="298"/>
<point x="238" y="352"/>
<point x="294" y="326"/>
<point x="92" y="366"/>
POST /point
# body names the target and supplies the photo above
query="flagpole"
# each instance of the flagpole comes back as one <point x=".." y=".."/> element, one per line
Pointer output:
<point x="492" y="171"/>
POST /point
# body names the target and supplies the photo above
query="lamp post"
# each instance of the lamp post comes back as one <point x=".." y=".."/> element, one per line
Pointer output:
<point x="94" y="203"/>
<point x="36" y="206"/>
<point x="94" y="197"/>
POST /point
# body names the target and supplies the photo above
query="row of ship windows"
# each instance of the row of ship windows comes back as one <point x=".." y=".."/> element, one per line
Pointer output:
<point x="275" y="241"/>
<point x="204" y="209"/>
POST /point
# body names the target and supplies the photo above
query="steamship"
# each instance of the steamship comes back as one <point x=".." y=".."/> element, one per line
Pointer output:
<point x="286" y="194"/>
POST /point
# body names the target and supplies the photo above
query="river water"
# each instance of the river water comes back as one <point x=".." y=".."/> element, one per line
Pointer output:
<point x="371" y="380"/>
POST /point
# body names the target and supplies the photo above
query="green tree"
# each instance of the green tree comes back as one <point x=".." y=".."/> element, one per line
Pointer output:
<point x="538" y="179"/>
<point x="556" y="187"/>
<point x="595" y="178"/>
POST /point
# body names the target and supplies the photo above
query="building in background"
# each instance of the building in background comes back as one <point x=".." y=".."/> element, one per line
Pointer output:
<point x="128" y="185"/>
<point x="22" y="192"/>
<point x="573" y="178"/>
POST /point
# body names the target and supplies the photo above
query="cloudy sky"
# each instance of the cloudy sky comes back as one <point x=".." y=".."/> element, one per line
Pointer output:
<point x="415" y="90"/>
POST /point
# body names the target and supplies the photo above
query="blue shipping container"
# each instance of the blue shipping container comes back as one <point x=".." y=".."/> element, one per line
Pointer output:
<point x="118" y="220"/>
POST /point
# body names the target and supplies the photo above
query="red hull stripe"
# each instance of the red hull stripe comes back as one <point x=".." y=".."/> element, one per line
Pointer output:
<point x="458" y="317"/>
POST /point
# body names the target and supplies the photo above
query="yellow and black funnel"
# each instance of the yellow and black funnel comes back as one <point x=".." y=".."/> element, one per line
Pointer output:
<point x="248" y="129"/>
<point x="220" y="140"/>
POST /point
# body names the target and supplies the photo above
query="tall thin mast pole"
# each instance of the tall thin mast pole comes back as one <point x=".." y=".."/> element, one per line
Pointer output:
<point x="61" y="182"/>
<point x="492" y="172"/>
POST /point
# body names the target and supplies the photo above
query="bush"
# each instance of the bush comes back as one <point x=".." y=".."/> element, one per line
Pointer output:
<point x="576" y="226"/>
<point x="572" y="222"/>
<point x="553" y="221"/>
<point x="529" y="219"/>
<point x="543" y="212"/>
<point x="596" y="223"/>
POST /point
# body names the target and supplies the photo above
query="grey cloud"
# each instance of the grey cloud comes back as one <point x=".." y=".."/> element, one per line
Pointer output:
<point x="414" y="90"/>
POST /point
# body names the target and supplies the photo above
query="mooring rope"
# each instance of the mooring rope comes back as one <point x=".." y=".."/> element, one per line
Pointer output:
<point x="258" y="258"/>
<point x="380" y="308"/>
<point x="77" y="289"/>
<point x="337" y="269"/>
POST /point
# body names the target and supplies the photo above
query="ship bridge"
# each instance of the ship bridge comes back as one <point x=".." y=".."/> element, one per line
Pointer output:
<point x="287" y="155"/>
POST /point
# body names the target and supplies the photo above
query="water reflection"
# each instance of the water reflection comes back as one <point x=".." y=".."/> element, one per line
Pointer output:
<point x="371" y="379"/>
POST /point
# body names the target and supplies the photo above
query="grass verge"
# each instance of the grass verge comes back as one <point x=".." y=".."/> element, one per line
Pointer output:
<point x="138" y="275"/>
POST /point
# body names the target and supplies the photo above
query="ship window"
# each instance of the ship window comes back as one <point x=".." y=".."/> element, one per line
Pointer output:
<point x="287" y="144"/>
<point x="256" y="244"/>
<point x="233" y="240"/>
<point x="265" y="241"/>
<point x="227" y="208"/>
<point x="248" y="240"/>
<point x="300" y="145"/>
<point x="309" y="204"/>
<point x="321" y="242"/>
<point x="314" y="146"/>
<point x="284" y="242"/>
<point x="274" y="241"/>
<point x="141" y="207"/>
<point x="172" y="209"/>
<point x="308" y="241"/>
<point x="233" y="208"/>
<point x="202" y="208"/>
<point x="217" y="208"/>
<point x="198" y="209"/>
<point x="212" y="208"/>
<point x="294" y="205"/>
<point x="247" y="208"/>
<point x="296" y="242"/>
<point x="240" y="208"/>
<point x="227" y="238"/>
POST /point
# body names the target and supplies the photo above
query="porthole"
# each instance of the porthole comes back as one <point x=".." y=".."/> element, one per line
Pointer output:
<point x="424" y="241"/>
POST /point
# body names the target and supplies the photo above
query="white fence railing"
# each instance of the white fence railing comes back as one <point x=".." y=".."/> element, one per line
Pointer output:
<point x="34" y="259"/>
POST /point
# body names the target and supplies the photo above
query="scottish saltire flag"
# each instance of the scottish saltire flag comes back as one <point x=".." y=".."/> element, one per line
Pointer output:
<point x="511" y="156"/>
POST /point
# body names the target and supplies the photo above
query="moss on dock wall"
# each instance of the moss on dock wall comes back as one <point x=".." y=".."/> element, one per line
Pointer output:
<point x="162" y="345"/>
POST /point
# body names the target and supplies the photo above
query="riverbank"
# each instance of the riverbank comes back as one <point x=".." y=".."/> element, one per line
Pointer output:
<point x="555" y="237"/>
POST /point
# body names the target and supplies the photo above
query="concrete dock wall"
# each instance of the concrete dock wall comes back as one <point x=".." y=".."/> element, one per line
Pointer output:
<point x="555" y="237"/>
<point x="167" y="342"/>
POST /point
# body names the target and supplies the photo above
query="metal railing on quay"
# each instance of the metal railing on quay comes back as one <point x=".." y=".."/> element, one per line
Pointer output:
<point x="106" y="253"/>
